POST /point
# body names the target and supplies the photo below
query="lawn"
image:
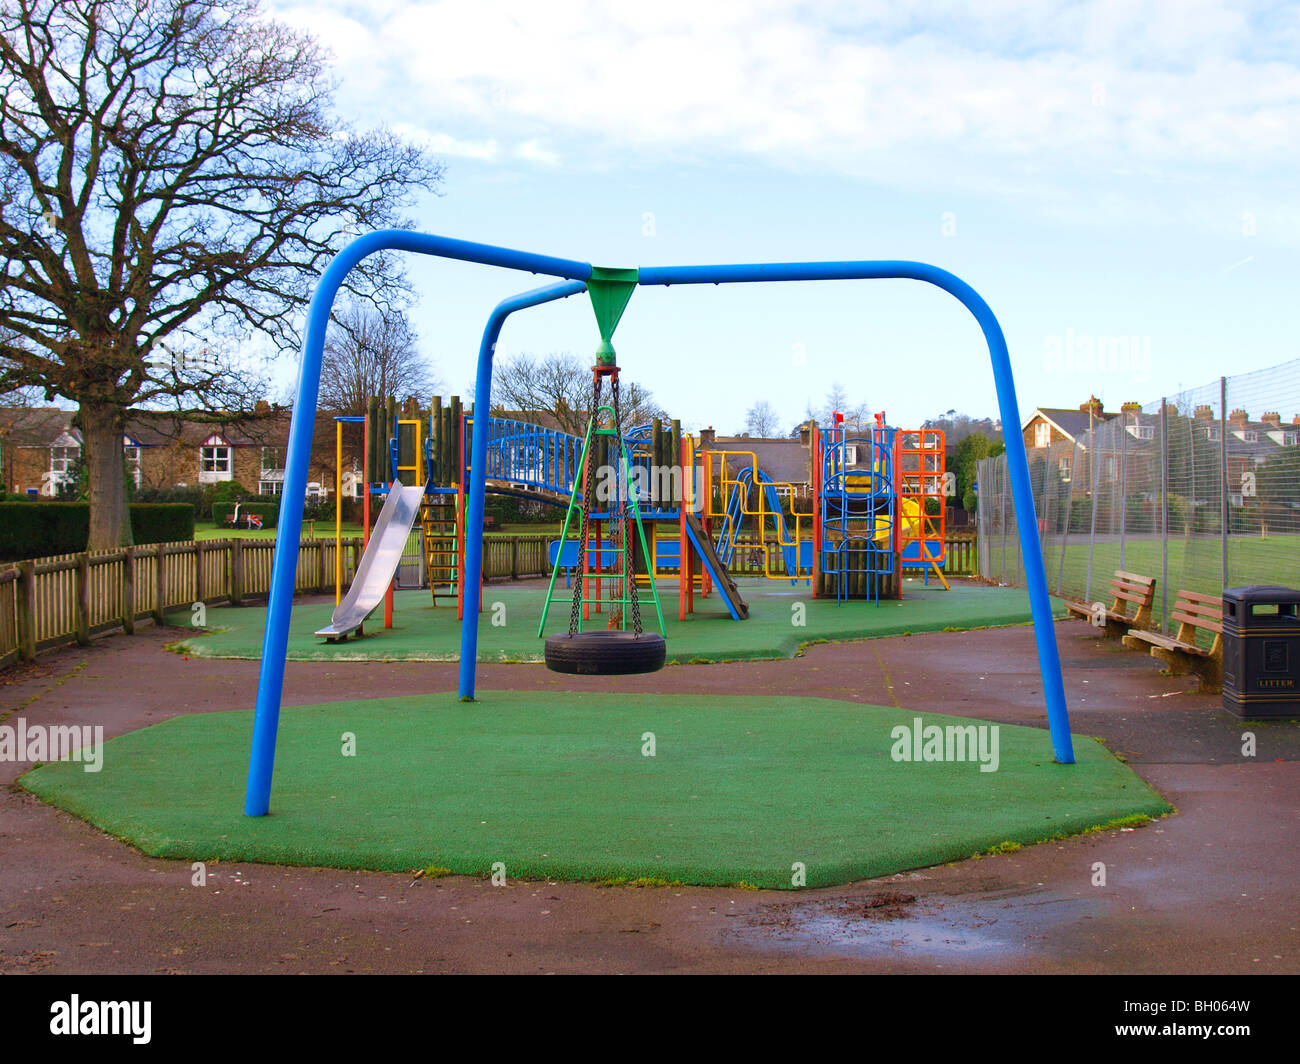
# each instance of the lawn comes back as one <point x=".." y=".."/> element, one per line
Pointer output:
<point x="768" y="792"/>
<point x="204" y="530"/>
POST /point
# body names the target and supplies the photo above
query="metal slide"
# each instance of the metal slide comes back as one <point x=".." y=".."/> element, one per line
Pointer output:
<point x="379" y="563"/>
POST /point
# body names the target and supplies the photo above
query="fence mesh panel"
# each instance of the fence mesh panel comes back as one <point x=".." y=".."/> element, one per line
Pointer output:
<point x="1200" y="490"/>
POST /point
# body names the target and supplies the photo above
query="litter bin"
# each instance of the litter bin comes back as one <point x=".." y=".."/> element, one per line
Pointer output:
<point x="1261" y="652"/>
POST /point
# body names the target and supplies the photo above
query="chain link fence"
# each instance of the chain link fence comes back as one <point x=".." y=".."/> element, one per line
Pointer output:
<point x="1200" y="490"/>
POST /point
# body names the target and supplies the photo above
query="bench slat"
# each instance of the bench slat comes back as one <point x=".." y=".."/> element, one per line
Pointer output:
<point x="1120" y="574"/>
<point x="1168" y="642"/>
<point x="1141" y="600"/>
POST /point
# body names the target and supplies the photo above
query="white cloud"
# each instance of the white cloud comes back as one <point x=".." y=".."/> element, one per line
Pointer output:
<point x="1003" y="95"/>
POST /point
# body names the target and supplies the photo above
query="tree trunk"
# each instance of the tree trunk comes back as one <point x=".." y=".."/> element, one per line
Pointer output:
<point x="110" y="517"/>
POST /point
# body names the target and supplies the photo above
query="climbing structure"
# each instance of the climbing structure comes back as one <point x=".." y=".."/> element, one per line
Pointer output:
<point x="856" y="550"/>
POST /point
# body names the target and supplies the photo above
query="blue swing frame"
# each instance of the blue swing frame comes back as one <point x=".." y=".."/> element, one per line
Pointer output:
<point x="573" y="277"/>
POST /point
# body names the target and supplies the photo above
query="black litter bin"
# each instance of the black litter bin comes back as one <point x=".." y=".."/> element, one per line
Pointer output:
<point x="1261" y="652"/>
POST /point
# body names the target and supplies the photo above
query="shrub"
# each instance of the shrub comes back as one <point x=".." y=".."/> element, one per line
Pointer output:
<point x="162" y="522"/>
<point x="44" y="529"/>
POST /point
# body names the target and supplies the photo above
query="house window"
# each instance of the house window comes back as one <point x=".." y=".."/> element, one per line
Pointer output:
<point x="270" y="487"/>
<point x="1290" y="439"/>
<point x="214" y="460"/>
<point x="62" y="460"/>
<point x="1064" y="467"/>
<point x="131" y="454"/>
<point x="271" y="459"/>
<point x="1042" y="434"/>
<point x="1212" y="432"/>
<point x="1250" y="436"/>
<point x="1146" y="432"/>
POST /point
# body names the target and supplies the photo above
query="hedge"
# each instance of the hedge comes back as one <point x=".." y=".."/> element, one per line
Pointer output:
<point x="162" y="522"/>
<point x="43" y="529"/>
<point x="268" y="511"/>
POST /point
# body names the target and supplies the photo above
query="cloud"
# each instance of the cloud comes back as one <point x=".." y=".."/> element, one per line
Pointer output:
<point x="1004" y="97"/>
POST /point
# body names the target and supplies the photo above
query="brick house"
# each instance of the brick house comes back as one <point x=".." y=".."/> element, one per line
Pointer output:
<point x="39" y="447"/>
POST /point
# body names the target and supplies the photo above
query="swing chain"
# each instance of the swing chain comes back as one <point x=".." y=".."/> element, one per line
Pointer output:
<point x="579" y="577"/>
<point x="629" y="555"/>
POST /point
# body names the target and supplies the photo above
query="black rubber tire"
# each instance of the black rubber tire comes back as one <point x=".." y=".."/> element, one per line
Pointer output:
<point x="608" y="653"/>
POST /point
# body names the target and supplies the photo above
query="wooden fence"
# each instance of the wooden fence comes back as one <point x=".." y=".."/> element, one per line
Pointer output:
<point x="52" y="602"/>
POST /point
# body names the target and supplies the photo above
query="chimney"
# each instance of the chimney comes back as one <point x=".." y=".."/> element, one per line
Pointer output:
<point x="261" y="408"/>
<point x="1204" y="412"/>
<point x="1239" y="418"/>
<point x="1094" y="404"/>
<point x="805" y="433"/>
<point x="1271" y="417"/>
<point x="1131" y="408"/>
<point x="1295" y="420"/>
<point x="707" y="436"/>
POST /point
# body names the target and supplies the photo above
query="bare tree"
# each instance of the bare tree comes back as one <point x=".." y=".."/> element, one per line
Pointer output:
<point x="372" y="353"/>
<point x="171" y="178"/>
<point x="837" y="401"/>
<point x="560" y="385"/>
<point x="762" y="420"/>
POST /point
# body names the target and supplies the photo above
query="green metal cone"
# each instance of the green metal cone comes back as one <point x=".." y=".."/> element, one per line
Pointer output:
<point x="610" y="290"/>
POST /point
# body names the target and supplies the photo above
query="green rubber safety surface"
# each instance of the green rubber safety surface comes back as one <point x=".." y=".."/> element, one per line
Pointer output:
<point x="781" y="620"/>
<point x="559" y="785"/>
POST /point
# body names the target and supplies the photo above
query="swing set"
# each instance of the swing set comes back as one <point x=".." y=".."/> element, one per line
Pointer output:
<point x="614" y="650"/>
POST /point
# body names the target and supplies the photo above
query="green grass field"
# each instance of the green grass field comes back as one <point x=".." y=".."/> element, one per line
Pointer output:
<point x="553" y="784"/>
<point x="1193" y="565"/>
<point x="322" y="530"/>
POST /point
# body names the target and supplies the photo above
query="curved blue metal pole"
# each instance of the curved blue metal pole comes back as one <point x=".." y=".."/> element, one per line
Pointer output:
<point x="270" y="685"/>
<point x="478" y="469"/>
<point x="1049" y="661"/>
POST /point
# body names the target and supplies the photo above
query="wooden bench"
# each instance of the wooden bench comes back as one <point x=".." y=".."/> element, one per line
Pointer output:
<point x="1126" y="588"/>
<point x="1194" y="612"/>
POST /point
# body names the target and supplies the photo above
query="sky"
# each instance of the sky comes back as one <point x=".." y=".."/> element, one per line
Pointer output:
<point x="1117" y="179"/>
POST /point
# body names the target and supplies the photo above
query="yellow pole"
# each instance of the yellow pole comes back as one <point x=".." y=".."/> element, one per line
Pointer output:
<point x="338" y="512"/>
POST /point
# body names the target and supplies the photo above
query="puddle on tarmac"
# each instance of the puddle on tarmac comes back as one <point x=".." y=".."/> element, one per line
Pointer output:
<point x="899" y="924"/>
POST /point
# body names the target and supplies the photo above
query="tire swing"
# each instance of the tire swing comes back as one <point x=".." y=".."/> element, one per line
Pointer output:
<point x="615" y="651"/>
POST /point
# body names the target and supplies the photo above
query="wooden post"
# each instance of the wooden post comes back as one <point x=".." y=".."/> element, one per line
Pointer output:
<point x="236" y="572"/>
<point x="320" y="567"/>
<point x="198" y="572"/>
<point x="26" y="603"/>
<point x="128" y="591"/>
<point x="83" y="598"/>
<point x="514" y="557"/>
<point x="160" y="586"/>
